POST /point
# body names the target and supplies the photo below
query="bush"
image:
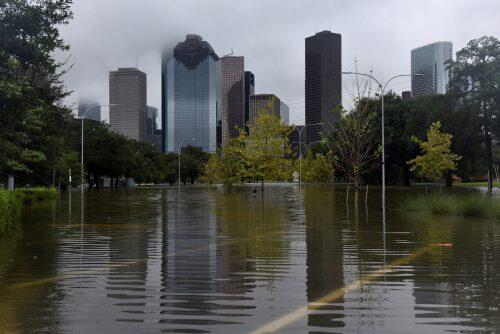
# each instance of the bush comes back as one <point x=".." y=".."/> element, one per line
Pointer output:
<point x="10" y="209"/>
<point x="30" y="195"/>
<point x="446" y="204"/>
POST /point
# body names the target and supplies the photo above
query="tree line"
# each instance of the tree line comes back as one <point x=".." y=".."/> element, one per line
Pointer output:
<point x="40" y="137"/>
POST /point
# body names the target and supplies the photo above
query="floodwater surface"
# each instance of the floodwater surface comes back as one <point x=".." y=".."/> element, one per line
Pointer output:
<point x="285" y="261"/>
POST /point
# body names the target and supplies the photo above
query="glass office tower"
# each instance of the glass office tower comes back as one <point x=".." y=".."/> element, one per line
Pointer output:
<point x="190" y="96"/>
<point x="430" y="62"/>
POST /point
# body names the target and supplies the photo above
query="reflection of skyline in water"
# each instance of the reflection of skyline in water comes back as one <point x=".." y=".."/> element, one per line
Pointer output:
<point x="149" y="261"/>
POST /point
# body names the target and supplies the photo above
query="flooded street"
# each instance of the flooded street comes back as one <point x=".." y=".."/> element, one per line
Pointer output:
<point x="286" y="261"/>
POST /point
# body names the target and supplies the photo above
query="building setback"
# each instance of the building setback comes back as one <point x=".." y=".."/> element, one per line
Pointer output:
<point x="127" y="98"/>
<point x="323" y="82"/>
<point x="94" y="110"/>
<point x="232" y="96"/>
<point x="429" y="61"/>
<point x="190" y="95"/>
<point x="249" y="91"/>
<point x="269" y="103"/>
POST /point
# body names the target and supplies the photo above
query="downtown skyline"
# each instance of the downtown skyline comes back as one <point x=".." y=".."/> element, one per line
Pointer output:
<point x="276" y="57"/>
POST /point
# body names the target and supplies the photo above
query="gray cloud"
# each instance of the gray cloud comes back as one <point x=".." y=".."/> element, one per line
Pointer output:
<point x="106" y="34"/>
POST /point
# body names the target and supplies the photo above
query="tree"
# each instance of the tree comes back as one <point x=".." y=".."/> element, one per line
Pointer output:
<point x="475" y="83"/>
<point x="30" y="85"/>
<point x="266" y="146"/>
<point x="193" y="160"/>
<point x="317" y="168"/>
<point x="352" y="141"/>
<point x="436" y="157"/>
<point x="227" y="165"/>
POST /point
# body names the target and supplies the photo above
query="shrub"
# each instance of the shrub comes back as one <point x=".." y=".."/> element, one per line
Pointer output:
<point x="446" y="204"/>
<point x="30" y="195"/>
<point x="10" y="209"/>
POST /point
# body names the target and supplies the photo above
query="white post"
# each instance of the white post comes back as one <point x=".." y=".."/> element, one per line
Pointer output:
<point x="11" y="183"/>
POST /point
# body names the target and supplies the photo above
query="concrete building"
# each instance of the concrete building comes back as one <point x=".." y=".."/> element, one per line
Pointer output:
<point x="232" y="96"/>
<point x="264" y="102"/>
<point x="190" y="95"/>
<point x="284" y="112"/>
<point x="249" y="91"/>
<point x="323" y="82"/>
<point x="94" y="113"/>
<point x="429" y="61"/>
<point x="406" y="95"/>
<point x="128" y="111"/>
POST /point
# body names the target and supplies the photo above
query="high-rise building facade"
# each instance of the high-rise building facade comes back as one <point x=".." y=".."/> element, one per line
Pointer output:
<point x="323" y="82"/>
<point x="91" y="109"/>
<point x="429" y="62"/>
<point x="284" y="112"/>
<point x="249" y="91"/>
<point x="190" y="95"/>
<point x="128" y="111"/>
<point x="232" y="96"/>
<point x="269" y="103"/>
<point x="152" y="120"/>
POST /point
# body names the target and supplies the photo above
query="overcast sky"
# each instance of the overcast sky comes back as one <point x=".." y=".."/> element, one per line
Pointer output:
<point x="107" y="34"/>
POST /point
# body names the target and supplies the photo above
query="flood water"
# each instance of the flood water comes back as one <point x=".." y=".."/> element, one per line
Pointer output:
<point x="286" y="261"/>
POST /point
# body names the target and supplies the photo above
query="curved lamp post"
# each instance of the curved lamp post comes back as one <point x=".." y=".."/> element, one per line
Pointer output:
<point x="382" y="88"/>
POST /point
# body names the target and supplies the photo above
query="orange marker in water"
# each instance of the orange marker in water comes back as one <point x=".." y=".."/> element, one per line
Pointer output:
<point x="444" y="244"/>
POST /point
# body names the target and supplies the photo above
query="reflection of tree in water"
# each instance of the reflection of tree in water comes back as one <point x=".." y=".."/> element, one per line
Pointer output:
<point x="252" y="228"/>
<point x="28" y="252"/>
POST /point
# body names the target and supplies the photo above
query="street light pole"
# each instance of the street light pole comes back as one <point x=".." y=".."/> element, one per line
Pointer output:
<point x="179" y="161"/>
<point x="300" y="149"/>
<point x="382" y="90"/>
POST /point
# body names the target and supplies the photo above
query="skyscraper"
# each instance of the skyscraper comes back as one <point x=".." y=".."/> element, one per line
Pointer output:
<point x="284" y="112"/>
<point x="128" y="111"/>
<point x="323" y="83"/>
<point x="190" y="95"/>
<point x="429" y="61"/>
<point x="232" y="96"/>
<point x="152" y="120"/>
<point x="94" y="110"/>
<point x="264" y="102"/>
<point x="249" y="90"/>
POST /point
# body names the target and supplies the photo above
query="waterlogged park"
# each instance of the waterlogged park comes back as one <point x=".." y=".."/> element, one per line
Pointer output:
<point x="389" y="223"/>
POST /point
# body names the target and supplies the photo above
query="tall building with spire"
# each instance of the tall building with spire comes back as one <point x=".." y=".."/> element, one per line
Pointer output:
<point x="190" y="95"/>
<point x="323" y="82"/>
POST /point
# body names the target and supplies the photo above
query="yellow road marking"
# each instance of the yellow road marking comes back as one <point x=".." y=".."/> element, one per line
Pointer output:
<point x="298" y="313"/>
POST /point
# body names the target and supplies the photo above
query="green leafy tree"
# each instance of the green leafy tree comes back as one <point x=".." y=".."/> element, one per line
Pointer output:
<point x="30" y="86"/>
<point x="436" y="157"/>
<point x="475" y="85"/>
<point x="317" y="168"/>
<point x="227" y="165"/>
<point x="266" y="147"/>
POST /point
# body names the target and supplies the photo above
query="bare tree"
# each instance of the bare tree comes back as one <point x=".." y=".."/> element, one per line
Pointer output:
<point x="352" y="137"/>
